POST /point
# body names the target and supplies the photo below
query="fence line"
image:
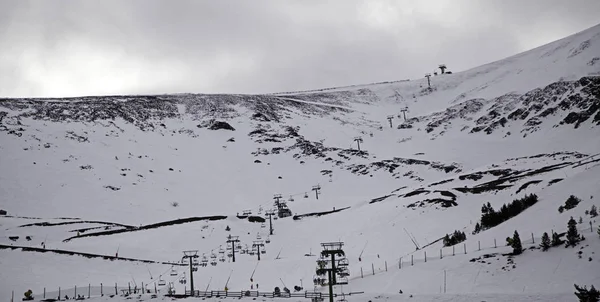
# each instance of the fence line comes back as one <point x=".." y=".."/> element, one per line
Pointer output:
<point x="88" y="291"/>
<point x="449" y="251"/>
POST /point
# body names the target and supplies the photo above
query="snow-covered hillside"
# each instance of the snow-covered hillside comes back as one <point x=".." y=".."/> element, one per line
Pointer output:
<point x="152" y="176"/>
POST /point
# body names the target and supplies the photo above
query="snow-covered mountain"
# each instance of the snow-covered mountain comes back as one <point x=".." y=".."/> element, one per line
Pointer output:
<point x="151" y="176"/>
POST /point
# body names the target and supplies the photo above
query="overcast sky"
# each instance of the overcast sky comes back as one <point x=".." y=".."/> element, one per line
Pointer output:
<point x="69" y="48"/>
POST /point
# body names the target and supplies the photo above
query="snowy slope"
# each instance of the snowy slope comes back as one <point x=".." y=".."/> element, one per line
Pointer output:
<point x="112" y="167"/>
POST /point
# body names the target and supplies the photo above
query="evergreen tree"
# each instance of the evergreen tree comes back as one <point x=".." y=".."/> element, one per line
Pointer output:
<point x="477" y="228"/>
<point x="593" y="211"/>
<point x="545" y="242"/>
<point x="599" y="231"/>
<point x="585" y="295"/>
<point x="516" y="244"/>
<point x="572" y="233"/>
<point x="580" y="219"/>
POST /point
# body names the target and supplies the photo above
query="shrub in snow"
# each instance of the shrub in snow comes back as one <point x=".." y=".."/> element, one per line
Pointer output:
<point x="561" y="209"/>
<point x="580" y="219"/>
<point x="556" y="239"/>
<point x="174" y="204"/>
<point x="515" y="243"/>
<point x="545" y="245"/>
<point x="593" y="211"/>
<point x="572" y="234"/>
<point x="585" y="295"/>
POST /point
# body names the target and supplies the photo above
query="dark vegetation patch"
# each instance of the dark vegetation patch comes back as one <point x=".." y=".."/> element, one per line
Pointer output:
<point x="317" y="214"/>
<point x="498" y="184"/>
<point x="149" y="226"/>
<point x="401" y="188"/>
<point x="442" y="182"/>
<point x="447" y="194"/>
<point x="479" y="175"/>
<point x="527" y="184"/>
<point x="444" y="203"/>
<point x="256" y="219"/>
<point x="554" y="181"/>
<point x="44" y="224"/>
<point x="379" y="199"/>
<point x="416" y="192"/>
<point x="86" y="255"/>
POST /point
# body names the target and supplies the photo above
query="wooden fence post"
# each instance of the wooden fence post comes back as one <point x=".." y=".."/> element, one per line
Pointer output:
<point x="101" y="291"/>
<point x="532" y="239"/>
<point x="425" y="255"/>
<point x="465" y="246"/>
<point x="495" y="246"/>
<point x="129" y="288"/>
<point x="116" y="291"/>
<point x="373" y="268"/>
<point x="479" y="245"/>
<point x="440" y="253"/>
<point x="591" y="227"/>
<point x="155" y="288"/>
<point x="142" y="287"/>
<point x="386" y="265"/>
<point x="44" y="293"/>
<point x="361" y="273"/>
<point x="411" y="260"/>
<point x="400" y="263"/>
<point x="59" y="293"/>
<point x="453" y="250"/>
<point x="75" y="290"/>
<point x="89" y="290"/>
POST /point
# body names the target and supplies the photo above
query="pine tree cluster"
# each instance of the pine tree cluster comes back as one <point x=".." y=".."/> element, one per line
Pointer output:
<point x="491" y="218"/>
<point x="571" y="203"/>
<point x="455" y="238"/>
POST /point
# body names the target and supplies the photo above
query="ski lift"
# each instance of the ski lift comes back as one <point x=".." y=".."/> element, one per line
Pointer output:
<point x="221" y="250"/>
<point x="263" y="251"/>
<point x="222" y="258"/>
<point x="161" y="281"/>
<point x="263" y="225"/>
<point x="268" y="240"/>
<point x="305" y="195"/>
<point x="258" y="236"/>
<point x="291" y="199"/>
<point x="213" y="262"/>
<point x="173" y="272"/>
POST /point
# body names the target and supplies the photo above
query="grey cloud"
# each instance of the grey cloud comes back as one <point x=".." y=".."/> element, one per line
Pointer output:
<point x="107" y="47"/>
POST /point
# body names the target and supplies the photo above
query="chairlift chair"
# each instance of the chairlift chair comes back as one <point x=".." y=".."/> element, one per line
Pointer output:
<point x="173" y="272"/>
<point x="161" y="281"/>
<point x="268" y="240"/>
<point x="291" y="199"/>
<point x="305" y="195"/>
<point x="263" y="251"/>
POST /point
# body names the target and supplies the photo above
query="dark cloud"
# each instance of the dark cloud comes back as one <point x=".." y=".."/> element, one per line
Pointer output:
<point x="107" y="47"/>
